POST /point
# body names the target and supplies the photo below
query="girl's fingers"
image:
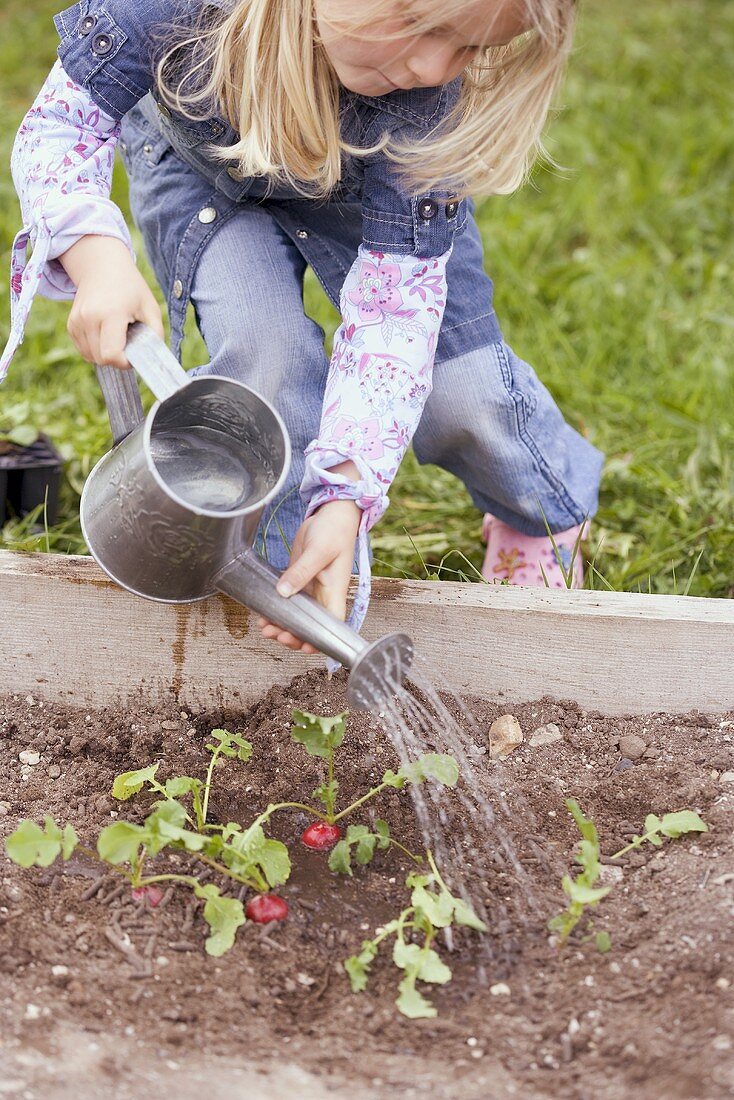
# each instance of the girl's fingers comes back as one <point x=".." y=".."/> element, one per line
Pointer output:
<point x="302" y="572"/>
<point x="150" y="314"/>
<point x="112" y="340"/>
<point x="79" y="337"/>
<point x="285" y="638"/>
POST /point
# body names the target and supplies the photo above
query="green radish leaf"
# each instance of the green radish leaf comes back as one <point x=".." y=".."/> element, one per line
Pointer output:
<point x="223" y="915"/>
<point x="683" y="821"/>
<point x="119" y="843"/>
<point x="358" y="966"/>
<point x="438" y="908"/>
<point x="406" y="955"/>
<point x="181" y="785"/>
<point x="652" y="823"/>
<point x="464" y="914"/>
<point x="603" y="942"/>
<point x="32" y="846"/>
<point x="433" y="969"/>
<point x="327" y="793"/>
<point x="413" y="1004"/>
<point x="438" y="766"/>
<point x="383" y="832"/>
<point x="319" y="735"/>
<point x="340" y="858"/>
<point x="129" y="783"/>
<point x="586" y="827"/>
<point x="167" y="826"/>
<point x="275" y="862"/>
<point x="582" y="894"/>
<point x="655" y="840"/>
<point x="230" y="745"/>
<point x="252" y="849"/>
<point x="394" y="779"/>
<point x="69" y="841"/>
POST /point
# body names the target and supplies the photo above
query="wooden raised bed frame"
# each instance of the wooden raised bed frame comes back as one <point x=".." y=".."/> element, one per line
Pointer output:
<point x="71" y="635"/>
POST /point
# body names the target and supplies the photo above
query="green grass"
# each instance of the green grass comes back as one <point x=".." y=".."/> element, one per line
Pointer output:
<point x="613" y="278"/>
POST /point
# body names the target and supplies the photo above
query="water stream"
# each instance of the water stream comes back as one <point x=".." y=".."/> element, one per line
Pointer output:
<point x="417" y="719"/>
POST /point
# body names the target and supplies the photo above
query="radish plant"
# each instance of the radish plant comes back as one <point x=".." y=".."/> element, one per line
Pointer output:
<point x="432" y="908"/>
<point x="245" y="855"/>
<point x="582" y="891"/>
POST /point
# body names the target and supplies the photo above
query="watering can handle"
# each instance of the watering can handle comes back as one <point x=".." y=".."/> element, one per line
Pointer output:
<point x="157" y="366"/>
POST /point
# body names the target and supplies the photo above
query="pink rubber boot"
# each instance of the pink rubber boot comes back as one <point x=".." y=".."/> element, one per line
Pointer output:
<point x="517" y="559"/>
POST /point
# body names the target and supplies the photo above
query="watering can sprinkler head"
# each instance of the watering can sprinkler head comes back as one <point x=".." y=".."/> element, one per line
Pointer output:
<point x="172" y="511"/>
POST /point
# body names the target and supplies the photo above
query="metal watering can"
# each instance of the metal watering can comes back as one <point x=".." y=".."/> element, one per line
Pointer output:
<point x="171" y="512"/>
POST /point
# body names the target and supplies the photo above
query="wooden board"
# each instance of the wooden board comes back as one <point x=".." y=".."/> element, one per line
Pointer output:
<point x="71" y="634"/>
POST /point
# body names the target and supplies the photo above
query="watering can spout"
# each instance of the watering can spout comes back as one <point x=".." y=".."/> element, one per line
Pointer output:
<point x="377" y="669"/>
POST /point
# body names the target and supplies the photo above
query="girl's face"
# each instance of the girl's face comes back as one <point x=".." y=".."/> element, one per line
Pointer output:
<point x="406" y="57"/>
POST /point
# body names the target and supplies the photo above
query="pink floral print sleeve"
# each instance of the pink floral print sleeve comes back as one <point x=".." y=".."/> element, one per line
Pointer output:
<point x="62" y="168"/>
<point x="379" y="380"/>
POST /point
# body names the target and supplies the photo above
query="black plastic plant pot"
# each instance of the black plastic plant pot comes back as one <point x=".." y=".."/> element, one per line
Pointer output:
<point x="29" y="477"/>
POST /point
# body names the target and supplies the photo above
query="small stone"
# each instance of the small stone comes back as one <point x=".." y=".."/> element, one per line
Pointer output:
<point x="32" y="1012"/>
<point x="305" y="979"/>
<point x="721" y="1042"/>
<point x="54" y="771"/>
<point x="4" y="809"/>
<point x="610" y="875"/>
<point x="472" y="1041"/>
<point x="500" y="989"/>
<point x="632" y="746"/>
<point x="29" y="756"/>
<point x="722" y="983"/>
<point x="504" y="736"/>
<point x="169" y="725"/>
<point x="478" y="1053"/>
<point x="624" y="764"/>
<point x="78" y="743"/>
<point x="545" y="735"/>
<point x="726" y="777"/>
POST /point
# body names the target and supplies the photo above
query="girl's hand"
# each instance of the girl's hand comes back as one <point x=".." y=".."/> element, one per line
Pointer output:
<point x="321" y="565"/>
<point x="111" y="294"/>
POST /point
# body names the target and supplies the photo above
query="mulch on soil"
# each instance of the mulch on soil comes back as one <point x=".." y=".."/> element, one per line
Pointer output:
<point x="140" y="1003"/>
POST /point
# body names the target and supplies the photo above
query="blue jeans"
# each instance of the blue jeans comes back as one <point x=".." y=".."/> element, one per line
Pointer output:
<point x="489" y="420"/>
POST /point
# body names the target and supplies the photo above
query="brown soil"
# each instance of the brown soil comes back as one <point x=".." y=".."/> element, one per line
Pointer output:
<point x="275" y="1016"/>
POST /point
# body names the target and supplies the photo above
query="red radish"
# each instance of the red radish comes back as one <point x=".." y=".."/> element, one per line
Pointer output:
<point x="154" y="894"/>
<point x="266" y="907"/>
<point x="321" y="836"/>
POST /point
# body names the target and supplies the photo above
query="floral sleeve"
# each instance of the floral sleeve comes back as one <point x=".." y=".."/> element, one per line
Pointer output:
<point x="62" y="168"/>
<point x="379" y="380"/>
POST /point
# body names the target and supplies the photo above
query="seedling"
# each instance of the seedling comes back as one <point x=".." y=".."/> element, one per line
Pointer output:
<point x="321" y="737"/>
<point x="432" y="907"/>
<point x="245" y="855"/>
<point x="582" y="893"/>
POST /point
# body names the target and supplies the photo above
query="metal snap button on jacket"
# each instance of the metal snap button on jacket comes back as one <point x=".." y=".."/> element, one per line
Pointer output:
<point x="235" y="174"/>
<point x="217" y="130"/>
<point x="178" y="289"/>
<point x="302" y="234"/>
<point x="147" y="148"/>
<point x="451" y="208"/>
<point x="163" y="109"/>
<point x="102" y="44"/>
<point x="87" y="24"/>
<point x="207" y="215"/>
<point x="427" y="209"/>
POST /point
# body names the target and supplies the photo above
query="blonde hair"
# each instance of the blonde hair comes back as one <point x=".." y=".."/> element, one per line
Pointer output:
<point x="265" y="67"/>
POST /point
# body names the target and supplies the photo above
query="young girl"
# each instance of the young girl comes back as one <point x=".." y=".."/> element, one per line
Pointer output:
<point x="262" y="136"/>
